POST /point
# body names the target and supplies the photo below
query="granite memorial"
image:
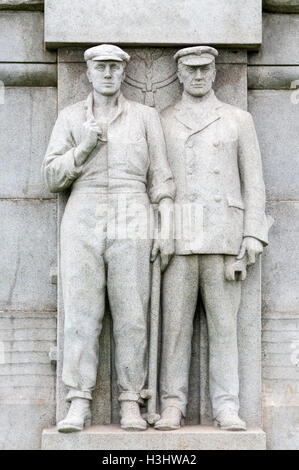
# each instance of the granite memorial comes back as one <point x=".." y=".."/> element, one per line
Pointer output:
<point x="106" y="148"/>
<point x="141" y="287"/>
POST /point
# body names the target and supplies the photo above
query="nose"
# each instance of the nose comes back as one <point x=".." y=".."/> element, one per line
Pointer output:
<point x="107" y="71"/>
<point x="198" y="73"/>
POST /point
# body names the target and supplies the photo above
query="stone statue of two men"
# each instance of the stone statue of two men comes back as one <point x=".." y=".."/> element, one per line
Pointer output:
<point x="200" y="162"/>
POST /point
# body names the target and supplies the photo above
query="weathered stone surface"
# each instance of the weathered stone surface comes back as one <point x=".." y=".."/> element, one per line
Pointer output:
<point x="21" y="4"/>
<point x="24" y="139"/>
<point x="281" y="424"/>
<point x="28" y="250"/>
<point x="27" y="384"/>
<point x="21" y="37"/>
<point x="238" y="22"/>
<point x="281" y="361"/>
<point x="280" y="282"/>
<point x="276" y="119"/>
<point x="262" y="77"/>
<point x="284" y="6"/>
<point x="27" y="375"/>
<point x="22" y="424"/>
<point x="187" y="438"/>
<point x="280" y="39"/>
<point x="29" y="75"/>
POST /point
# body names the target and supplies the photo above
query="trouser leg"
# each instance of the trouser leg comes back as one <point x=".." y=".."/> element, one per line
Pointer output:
<point x="221" y="299"/>
<point x="83" y="283"/>
<point x="129" y="274"/>
<point x="179" y="298"/>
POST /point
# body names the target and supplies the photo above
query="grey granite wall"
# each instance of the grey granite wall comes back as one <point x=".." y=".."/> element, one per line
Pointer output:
<point x="274" y="103"/>
<point x="28" y="107"/>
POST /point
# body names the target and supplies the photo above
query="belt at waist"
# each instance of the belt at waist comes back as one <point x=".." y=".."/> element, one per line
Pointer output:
<point x="114" y="187"/>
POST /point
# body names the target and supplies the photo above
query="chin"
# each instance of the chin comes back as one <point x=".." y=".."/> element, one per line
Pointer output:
<point x="108" y="92"/>
<point x="199" y="93"/>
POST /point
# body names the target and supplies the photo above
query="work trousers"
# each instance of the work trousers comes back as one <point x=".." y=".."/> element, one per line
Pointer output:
<point x="90" y="262"/>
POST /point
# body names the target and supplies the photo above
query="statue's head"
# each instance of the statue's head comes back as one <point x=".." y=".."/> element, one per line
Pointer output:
<point x="196" y="69"/>
<point x="106" y="66"/>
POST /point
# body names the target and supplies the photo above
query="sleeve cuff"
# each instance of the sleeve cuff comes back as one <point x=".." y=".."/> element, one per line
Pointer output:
<point x="260" y="232"/>
<point x="72" y="171"/>
<point x="165" y="190"/>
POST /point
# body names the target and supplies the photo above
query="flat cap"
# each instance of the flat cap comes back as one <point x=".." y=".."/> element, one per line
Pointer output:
<point x="106" y="52"/>
<point x="198" y="55"/>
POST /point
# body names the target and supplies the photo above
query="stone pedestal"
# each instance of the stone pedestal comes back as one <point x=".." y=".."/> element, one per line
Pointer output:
<point x="188" y="438"/>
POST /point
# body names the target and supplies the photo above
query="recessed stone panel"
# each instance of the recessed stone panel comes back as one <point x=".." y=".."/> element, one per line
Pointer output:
<point x="22" y="37"/>
<point x="280" y="280"/>
<point x="28" y="251"/>
<point x="27" y="116"/>
<point x="280" y="41"/>
<point x="151" y="79"/>
<point x="276" y="117"/>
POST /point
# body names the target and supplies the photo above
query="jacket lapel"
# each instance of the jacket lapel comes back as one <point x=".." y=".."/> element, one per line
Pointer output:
<point x="198" y="123"/>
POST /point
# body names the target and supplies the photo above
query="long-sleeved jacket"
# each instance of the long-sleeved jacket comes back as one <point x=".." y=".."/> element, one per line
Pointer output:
<point x="216" y="163"/>
<point x="134" y="160"/>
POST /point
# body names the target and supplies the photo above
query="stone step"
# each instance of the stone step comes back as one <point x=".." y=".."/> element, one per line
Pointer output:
<point x="111" y="437"/>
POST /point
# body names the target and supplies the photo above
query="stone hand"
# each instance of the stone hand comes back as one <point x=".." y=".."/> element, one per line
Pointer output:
<point x="252" y="247"/>
<point x="92" y="134"/>
<point x="164" y="244"/>
<point x="166" y="250"/>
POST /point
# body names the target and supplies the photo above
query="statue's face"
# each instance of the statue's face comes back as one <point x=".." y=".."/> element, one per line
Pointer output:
<point x="197" y="79"/>
<point x="106" y="76"/>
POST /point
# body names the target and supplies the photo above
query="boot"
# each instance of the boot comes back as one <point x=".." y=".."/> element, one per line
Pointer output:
<point x="79" y="415"/>
<point x="228" y="420"/>
<point x="170" y="419"/>
<point x="131" y="419"/>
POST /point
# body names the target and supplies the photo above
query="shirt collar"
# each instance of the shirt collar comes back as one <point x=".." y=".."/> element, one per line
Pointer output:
<point x="89" y="107"/>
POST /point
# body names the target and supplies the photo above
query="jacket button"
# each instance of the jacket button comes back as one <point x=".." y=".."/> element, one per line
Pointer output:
<point x="190" y="144"/>
<point x="192" y="197"/>
<point x="216" y="143"/>
<point x="218" y="198"/>
<point x="216" y="171"/>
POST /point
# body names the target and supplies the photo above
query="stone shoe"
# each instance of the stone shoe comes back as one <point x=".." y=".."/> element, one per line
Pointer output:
<point x="228" y="420"/>
<point x="79" y="415"/>
<point x="131" y="419"/>
<point x="170" y="419"/>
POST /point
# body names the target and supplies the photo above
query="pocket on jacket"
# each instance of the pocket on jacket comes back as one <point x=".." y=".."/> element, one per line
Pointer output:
<point x="234" y="202"/>
<point x="137" y="156"/>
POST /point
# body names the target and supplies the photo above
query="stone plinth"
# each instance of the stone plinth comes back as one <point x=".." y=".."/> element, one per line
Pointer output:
<point x="187" y="438"/>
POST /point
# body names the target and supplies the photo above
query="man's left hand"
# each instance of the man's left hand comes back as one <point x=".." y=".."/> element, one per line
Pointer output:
<point x="164" y="244"/>
<point x="253" y="247"/>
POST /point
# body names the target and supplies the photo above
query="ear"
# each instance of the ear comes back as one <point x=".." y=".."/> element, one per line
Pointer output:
<point x="179" y="76"/>
<point x="88" y="74"/>
<point x="214" y="74"/>
<point x="124" y="76"/>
